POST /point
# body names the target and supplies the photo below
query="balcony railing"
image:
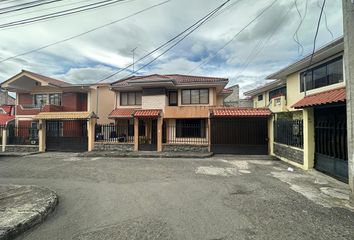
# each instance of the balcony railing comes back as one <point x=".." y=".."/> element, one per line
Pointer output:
<point x="32" y="109"/>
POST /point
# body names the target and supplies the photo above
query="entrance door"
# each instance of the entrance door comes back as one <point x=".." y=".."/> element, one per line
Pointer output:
<point x="66" y="136"/>
<point x="247" y="136"/>
<point x="331" y="155"/>
<point x="148" y="135"/>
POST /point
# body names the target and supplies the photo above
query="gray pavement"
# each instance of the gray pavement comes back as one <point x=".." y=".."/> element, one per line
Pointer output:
<point x="22" y="207"/>
<point x="214" y="198"/>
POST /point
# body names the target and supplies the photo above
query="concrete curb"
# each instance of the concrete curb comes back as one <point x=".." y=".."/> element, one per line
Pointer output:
<point x="15" y="154"/>
<point x="23" y="207"/>
<point x="145" y="155"/>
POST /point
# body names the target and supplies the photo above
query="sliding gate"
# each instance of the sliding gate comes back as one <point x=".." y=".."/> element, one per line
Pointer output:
<point x="66" y="136"/>
<point x="331" y="154"/>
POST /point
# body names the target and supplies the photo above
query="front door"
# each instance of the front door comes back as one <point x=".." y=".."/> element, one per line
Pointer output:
<point x="331" y="155"/>
<point x="148" y="135"/>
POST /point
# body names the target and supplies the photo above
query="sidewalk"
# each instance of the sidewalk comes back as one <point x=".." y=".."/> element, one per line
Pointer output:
<point x="22" y="207"/>
<point x="146" y="154"/>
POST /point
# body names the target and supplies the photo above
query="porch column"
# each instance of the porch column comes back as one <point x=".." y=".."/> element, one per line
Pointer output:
<point x="136" y="134"/>
<point x="4" y="138"/>
<point x="309" y="138"/>
<point x="91" y="134"/>
<point x="42" y="136"/>
<point x="159" y="134"/>
<point x="271" y="135"/>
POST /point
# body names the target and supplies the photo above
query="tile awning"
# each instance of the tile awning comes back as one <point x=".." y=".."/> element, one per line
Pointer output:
<point x="122" y="113"/>
<point x="151" y="113"/>
<point x="65" y="115"/>
<point x="241" y="112"/>
<point x="332" y="96"/>
<point x="5" y="119"/>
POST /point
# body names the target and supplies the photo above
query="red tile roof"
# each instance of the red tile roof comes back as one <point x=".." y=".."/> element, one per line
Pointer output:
<point x="122" y="113"/>
<point x="241" y="112"/>
<point x="331" y="96"/>
<point x="7" y="108"/>
<point x="147" y="113"/>
<point x="227" y="91"/>
<point x="4" y="119"/>
<point x="178" y="78"/>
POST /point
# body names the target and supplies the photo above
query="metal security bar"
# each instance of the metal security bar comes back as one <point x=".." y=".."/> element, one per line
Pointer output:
<point x="184" y="133"/>
<point x="22" y="135"/>
<point x="289" y="132"/>
<point x="114" y="133"/>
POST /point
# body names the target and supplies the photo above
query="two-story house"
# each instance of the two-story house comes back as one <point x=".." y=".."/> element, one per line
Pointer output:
<point x="181" y="113"/>
<point x="309" y="111"/>
<point x="51" y="113"/>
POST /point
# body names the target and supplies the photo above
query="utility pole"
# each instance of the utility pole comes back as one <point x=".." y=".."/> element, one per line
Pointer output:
<point x="348" y="25"/>
<point x="133" y="51"/>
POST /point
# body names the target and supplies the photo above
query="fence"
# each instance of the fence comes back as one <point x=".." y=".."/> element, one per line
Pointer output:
<point x="114" y="133"/>
<point x="289" y="132"/>
<point x="22" y="135"/>
<point x="185" y="133"/>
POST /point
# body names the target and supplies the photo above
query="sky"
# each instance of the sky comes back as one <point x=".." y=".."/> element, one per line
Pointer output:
<point x="264" y="47"/>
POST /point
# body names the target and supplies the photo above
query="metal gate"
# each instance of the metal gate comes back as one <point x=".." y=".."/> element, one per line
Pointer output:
<point x="239" y="136"/>
<point x="66" y="136"/>
<point x="331" y="155"/>
<point x="147" y="135"/>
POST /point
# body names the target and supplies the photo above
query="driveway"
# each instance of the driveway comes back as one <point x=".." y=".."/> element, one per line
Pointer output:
<point x="217" y="198"/>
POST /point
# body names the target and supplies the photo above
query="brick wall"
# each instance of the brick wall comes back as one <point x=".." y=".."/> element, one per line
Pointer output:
<point x="289" y="153"/>
<point x="25" y="98"/>
<point x="74" y="102"/>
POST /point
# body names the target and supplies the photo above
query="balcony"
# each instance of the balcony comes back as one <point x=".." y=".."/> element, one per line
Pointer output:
<point x="32" y="109"/>
<point x="278" y="104"/>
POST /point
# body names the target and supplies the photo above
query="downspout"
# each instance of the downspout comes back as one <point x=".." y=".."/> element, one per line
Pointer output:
<point x="97" y="92"/>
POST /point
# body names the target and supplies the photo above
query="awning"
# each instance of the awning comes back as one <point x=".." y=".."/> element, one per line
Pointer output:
<point x="122" y="113"/>
<point x="327" y="97"/>
<point x="65" y="115"/>
<point x="152" y="113"/>
<point x="241" y="112"/>
<point x="5" y="119"/>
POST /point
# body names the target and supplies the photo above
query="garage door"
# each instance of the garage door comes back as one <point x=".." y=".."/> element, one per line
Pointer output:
<point x="248" y="136"/>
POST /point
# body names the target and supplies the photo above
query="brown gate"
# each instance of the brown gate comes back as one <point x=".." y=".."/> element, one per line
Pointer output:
<point x="247" y="136"/>
<point x="66" y="135"/>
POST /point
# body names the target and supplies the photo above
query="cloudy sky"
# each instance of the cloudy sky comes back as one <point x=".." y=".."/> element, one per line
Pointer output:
<point x="264" y="47"/>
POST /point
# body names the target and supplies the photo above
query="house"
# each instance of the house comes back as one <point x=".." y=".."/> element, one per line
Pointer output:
<point x="176" y="112"/>
<point x="234" y="100"/>
<point x="52" y="114"/>
<point x="307" y="99"/>
<point x="7" y="115"/>
<point x="5" y="98"/>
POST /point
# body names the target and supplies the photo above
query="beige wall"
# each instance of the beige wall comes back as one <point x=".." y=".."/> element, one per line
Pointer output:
<point x="154" y="102"/>
<point x="103" y="104"/>
<point x="263" y="103"/>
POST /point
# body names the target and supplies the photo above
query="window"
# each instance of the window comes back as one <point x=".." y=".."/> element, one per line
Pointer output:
<point x="323" y="75"/>
<point x="172" y="98"/>
<point x="130" y="98"/>
<point x="260" y="97"/>
<point x="40" y="100"/>
<point x="195" y="96"/>
<point x="277" y="92"/>
<point x="190" y="128"/>
<point x="55" y="99"/>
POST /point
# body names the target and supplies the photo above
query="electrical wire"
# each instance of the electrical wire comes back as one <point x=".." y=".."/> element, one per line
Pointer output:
<point x="326" y="22"/>
<point x="314" y="41"/>
<point x="31" y="6"/>
<point x="84" y="33"/>
<point x="197" y="24"/>
<point x="61" y="13"/>
<point x="233" y="38"/>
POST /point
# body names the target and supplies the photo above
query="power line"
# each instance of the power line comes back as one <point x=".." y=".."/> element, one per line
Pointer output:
<point x="254" y="54"/>
<point x="234" y="37"/>
<point x="31" y="6"/>
<point x="61" y="13"/>
<point x="84" y="33"/>
<point x="19" y="5"/>
<point x="314" y="42"/>
<point x="190" y="28"/>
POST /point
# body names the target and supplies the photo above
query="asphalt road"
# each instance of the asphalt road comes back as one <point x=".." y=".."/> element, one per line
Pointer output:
<point x="172" y="199"/>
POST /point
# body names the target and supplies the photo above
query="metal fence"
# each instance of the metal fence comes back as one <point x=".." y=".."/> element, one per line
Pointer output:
<point x="289" y="132"/>
<point x="22" y="135"/>
<point x="114" y="133"/>
<point x="185" y="133"/>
